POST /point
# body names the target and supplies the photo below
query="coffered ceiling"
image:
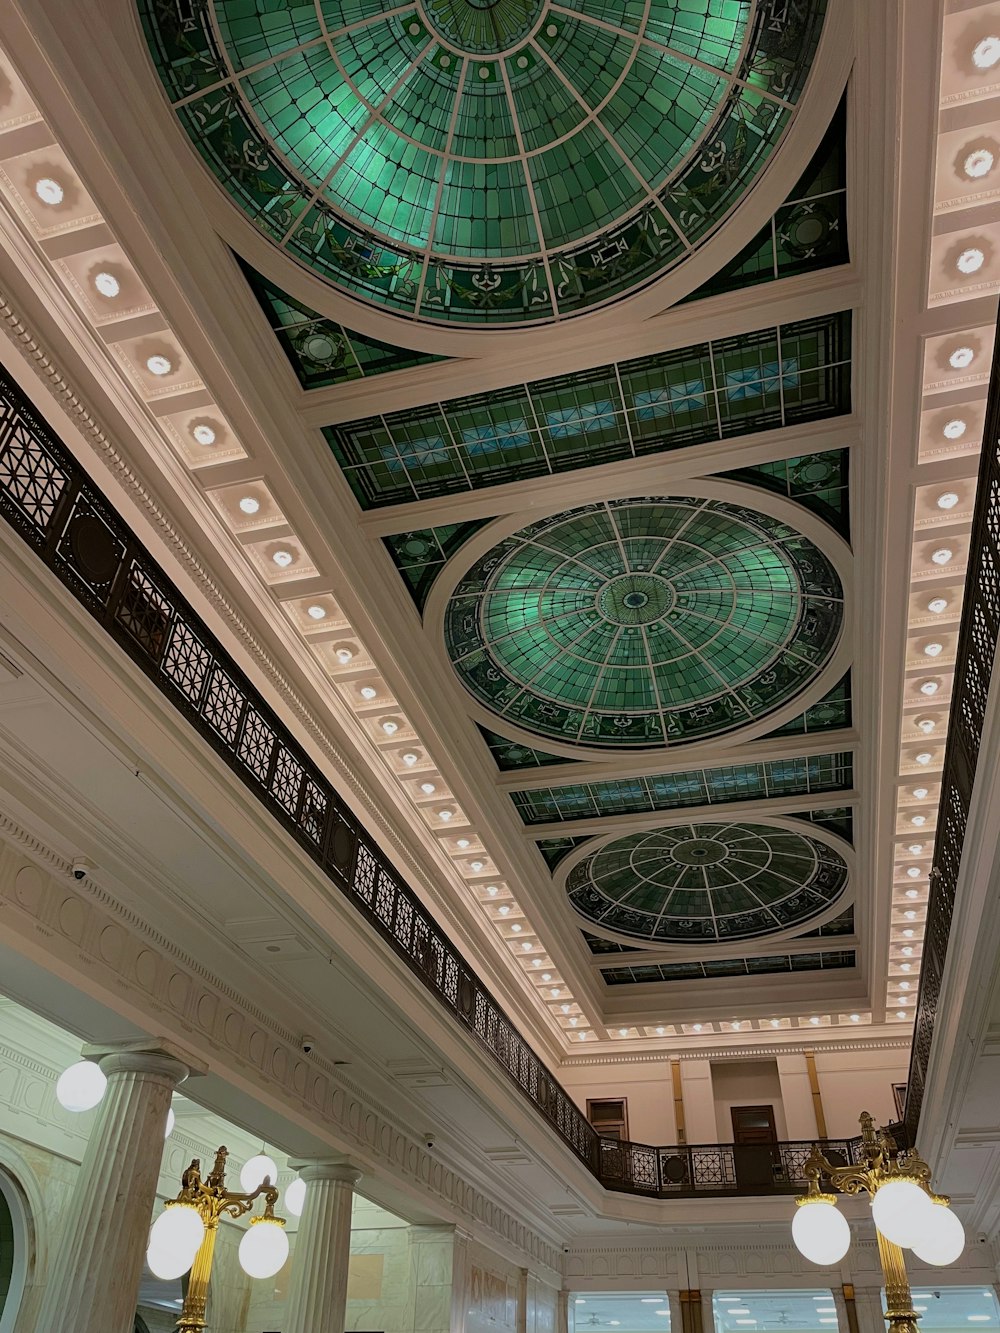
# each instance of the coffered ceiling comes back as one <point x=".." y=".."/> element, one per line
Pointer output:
<point x="534" y="386"/>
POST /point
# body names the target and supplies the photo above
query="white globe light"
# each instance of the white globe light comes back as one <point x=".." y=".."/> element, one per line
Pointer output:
<point x="264" y="1247"/>
<point x="821" y="1232"/>
<point x="171" y="1121"/>
<point x="942" y="1238"/>
<point x="295" y="1197"/>
<point x="81" y="1086"/>
<point x="899" y="1211"/>
<point x="174" y="1240"/>
<point x="255" y="1170"/>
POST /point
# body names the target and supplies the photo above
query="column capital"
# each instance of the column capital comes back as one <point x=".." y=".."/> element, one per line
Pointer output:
<point x="320" y="1168"/>
<point x="145" y="1062"/>
<point x="145" y="1047"/>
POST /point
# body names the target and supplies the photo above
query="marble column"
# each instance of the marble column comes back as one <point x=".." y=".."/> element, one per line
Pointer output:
<point x="870" y="1310"/>
<point x="676" y="1314"/>
<point x="93" y="1281"/>
<point x="562" y="1312"/>
<point x="322" y="1255"/>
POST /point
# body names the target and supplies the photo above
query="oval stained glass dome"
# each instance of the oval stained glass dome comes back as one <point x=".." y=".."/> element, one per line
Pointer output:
<point x="485" y="161"/>
<point x="644" y="622"/>
<point x="707" y="882"/>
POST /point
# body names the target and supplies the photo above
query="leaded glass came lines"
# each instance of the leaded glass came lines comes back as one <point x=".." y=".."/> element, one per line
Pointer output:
<point x="485" y="163"/>
<point x="764" y="380"/>
<point x="706" y="881"/>
<point x="772" y="965"/>
<point x="724" y="785"/>
<point x="644" y="622"/>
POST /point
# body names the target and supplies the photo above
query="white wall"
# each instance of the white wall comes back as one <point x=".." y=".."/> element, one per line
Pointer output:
<point x="646" y="1087"/>
<point x="745" y="1083"/>
<point x="854" y="1081"/>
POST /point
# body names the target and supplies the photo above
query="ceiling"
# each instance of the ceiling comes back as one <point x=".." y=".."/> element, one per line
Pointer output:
<point x="544" y="439"/>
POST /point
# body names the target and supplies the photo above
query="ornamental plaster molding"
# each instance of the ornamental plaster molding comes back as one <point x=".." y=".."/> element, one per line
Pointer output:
<point x="88" y="930"/>
<point x="813" y="1043"/>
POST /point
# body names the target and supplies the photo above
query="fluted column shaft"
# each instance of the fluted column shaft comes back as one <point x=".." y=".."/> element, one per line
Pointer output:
<point x="318" y="1299"/>
<point x="93" y="1282"/>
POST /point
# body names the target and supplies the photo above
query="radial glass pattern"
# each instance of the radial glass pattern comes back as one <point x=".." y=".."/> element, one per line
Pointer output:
<point x="485" y="161"/>
<point x="644" y="622"/>
<point x="698" y="882"/>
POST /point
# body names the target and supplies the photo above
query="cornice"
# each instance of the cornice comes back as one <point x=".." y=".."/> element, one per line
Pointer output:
<point x="815" y="1044"/>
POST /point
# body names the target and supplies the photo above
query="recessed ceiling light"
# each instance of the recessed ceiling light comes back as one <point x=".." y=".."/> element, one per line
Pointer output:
<point x="555" y="993"/>
<point x="942" y="555"/>
<point x="904" y="985"/>
<point x="947" y="500"/>
<point x="573" y="1022"/>
<point x="735" y="1025"/>
<point x="283" y="558"/>
<point x="537" y="962"/>
<point x="911" y="893"/>
<point x="344" y="655"/>
<point x="476" y="865"/>
<point x="924" y="757"/>
<point x="961" y="357"/>
<point x="900" y="1013"/>
<point x="390" y="726"/>
<point x="409" y="759"/>
<point x="913" y="872"/>
<point x="159" y="364"/>
<point x="316" y="612"/>
<point x="623" y="1032"/>
<point x="970" y="260"/>
<point x="428" y="788"/>
<point x="986" y="52"/>
<point x="933" y="649"/>
<point x="368" y="692"/>
<point x="527" y="946"/>
<point x="954" y="429"/>
<point x="203" y="435"/>
<point x="919" y="820"/>
<point x="776" y="1022"/>
<point x="978" y="163"/>
<point x="445" y="815"/>
<point x="929" y="687"/>
<point x="910" y="916"/>
<point x="517" y="927"/>
<point x="660" y="1031"/>
<point x="908" y="948"/>
<point x="696" y="1027"/>
<point x="462" y="843"/>
<point x="814" y="1021"/>
<point x="249" y="504"/>
<point x="107" y="285"/>
<point x="49" y="191"/>
<point x="916" y="848"/>
<point x="492" y="890"/>
<point x="906" y="967"/>
<point x="937" y="605"/>
<point x="908" y="933"/>
<point x="855" y="1018"/>
<point x="920" y="793"/>
<point x="583" y="1036"/>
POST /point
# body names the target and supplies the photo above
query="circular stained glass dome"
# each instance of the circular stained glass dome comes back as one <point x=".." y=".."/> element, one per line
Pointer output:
<point x="644" y="622"/>
<point x="485" y="161"/>
<point x="705" y="882"/>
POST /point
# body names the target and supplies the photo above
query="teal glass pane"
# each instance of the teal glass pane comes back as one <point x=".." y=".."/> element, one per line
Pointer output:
<point x="673" y="791"/>
<point x="830" y="960"/>
<point x="488" y="165"/>
<point x="831" y="713"/>
<point x="642" y="622"/>
<point x="838" y="819"/>
<point x="510" y="755"/>
<point x="820" y="482"/>
<point x="671" y="400"/>
<point x="554" y="850"/>
<point x="706" y="881"/>
<point x="420" y="555"/>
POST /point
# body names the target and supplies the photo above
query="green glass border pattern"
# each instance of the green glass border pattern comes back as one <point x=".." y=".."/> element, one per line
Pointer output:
<point x="674" y="791"/>
<point x="779" y="376"/>
<point x="712" y="969"/>
<point x="511" y="755"/>
<point x="285" y="75"/>
<point x="819" y="482"/>
<point x="831" y="713"/>
<point x="422" y="553"/>
<point x="554" y="850"/>
<point x="839" y="926"/>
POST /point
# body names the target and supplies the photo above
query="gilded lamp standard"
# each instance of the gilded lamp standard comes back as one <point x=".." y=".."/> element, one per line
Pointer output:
<point x="183" y="1236"/>
<point x="906" y="1212"/>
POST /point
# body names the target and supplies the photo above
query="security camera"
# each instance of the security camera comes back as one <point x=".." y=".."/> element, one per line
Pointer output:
<point x="306" y="1045"/>
<point x="81" y="867"/>
<point x="428" y="1140"/>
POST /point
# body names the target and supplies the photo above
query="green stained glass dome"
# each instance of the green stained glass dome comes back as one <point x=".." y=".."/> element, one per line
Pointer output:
<point x="644" y="622"/>
<point x="485" y="161"/>
<point x="707" y="882"/>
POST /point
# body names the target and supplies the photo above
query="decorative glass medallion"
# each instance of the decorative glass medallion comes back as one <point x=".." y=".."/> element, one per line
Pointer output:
<point x="485" y="161"/>
<point x="644" y="622"/>
<point x="704" y="882"/>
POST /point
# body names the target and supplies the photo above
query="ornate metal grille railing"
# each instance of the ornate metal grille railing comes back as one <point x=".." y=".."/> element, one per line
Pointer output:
<point x="977" y="644"/>
<point x="46" y="497"/>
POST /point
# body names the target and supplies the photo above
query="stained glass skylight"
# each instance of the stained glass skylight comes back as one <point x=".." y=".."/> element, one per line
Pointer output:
<point x="829" y="960"/>
<point x="485" y="161"/>
<point x="644" y="622"/>
<point x="705" y="881"/>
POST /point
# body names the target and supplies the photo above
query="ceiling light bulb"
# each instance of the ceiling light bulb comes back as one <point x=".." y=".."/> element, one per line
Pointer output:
<point x="900" y="1013"/>
<point x="916" y="848"/>
<point x="910" y="893"/>
<point x="913" y="872"/>
<point x="159" y="365"/>
<point x="855" y="1018"/>
<point x="978" y="163"/>
<point x="970" y="260"/>
<point x="660" y="1031"/>
<point x="344" y="655"/>
<point x="986" y="52"/>
<point x="537" y="962"/>
<point x="623" y="1032"/>
<point x="368" y="692"/>
<point x="776" y="1022"/>
<point x="428" y="788"/>
<point x="249" y="504"/>
<point x="546" y="976"/>
<point x="933" y="649"/>
<point x="554" y="992"/>
<point x="961" y="357"/>
<point x="389" y="725"/>
<point x="904" y="985"/>
<point x="954" y="429"/>
<point x="814" y="1021"/>
<point x="204" y="435"/>
<point x="909" y="934"/>
<point x="527" y="946"/>
<point x="696" y="1027"/>
<point x="107" y="285"/>
<point x="920" y="793"/>
<point x="477" y="866"/>
<point x="910" y="916"/>
<point x="906" y="967"/>
<point x="517" y="927"/>
<point x="445" y="815"/>
<point x="462" y="843"/>
<point x="49" y="191"/>
<point x="492" y="890"/>
<point x="919" y="820"/>
<point x="505" y="909"/>
<point x="929" y="687"/>
<point x="735" y="1024"/>
<point x="316" y="613"/>
<point x="937" y="605"/>
<point x="942" y="556"/>
<point x="924" y="757"/>
<point x="947" y="500"/>
<point x="282" y="559"/>
<point x="409" y="760"/>
<point x="573" y="1022"/>
<point x="908" y="948"/>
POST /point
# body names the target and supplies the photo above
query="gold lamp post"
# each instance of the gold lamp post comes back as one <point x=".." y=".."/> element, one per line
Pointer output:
<point x="183" y="1236"/>
<point x="906" y="1212"/>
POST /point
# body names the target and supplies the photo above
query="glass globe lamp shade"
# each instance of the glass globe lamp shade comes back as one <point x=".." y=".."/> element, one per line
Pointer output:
<point x="81" y="1086"/>
<point x="820" y="1231"/>
<point x="295" y="1197"/>
<point x="174" y="1240"/>
<point x="899" y="1211"/>
<point x="255" y="1170"/>
<point x="942" y="1237"/>
<point x="264" y="1247"/>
